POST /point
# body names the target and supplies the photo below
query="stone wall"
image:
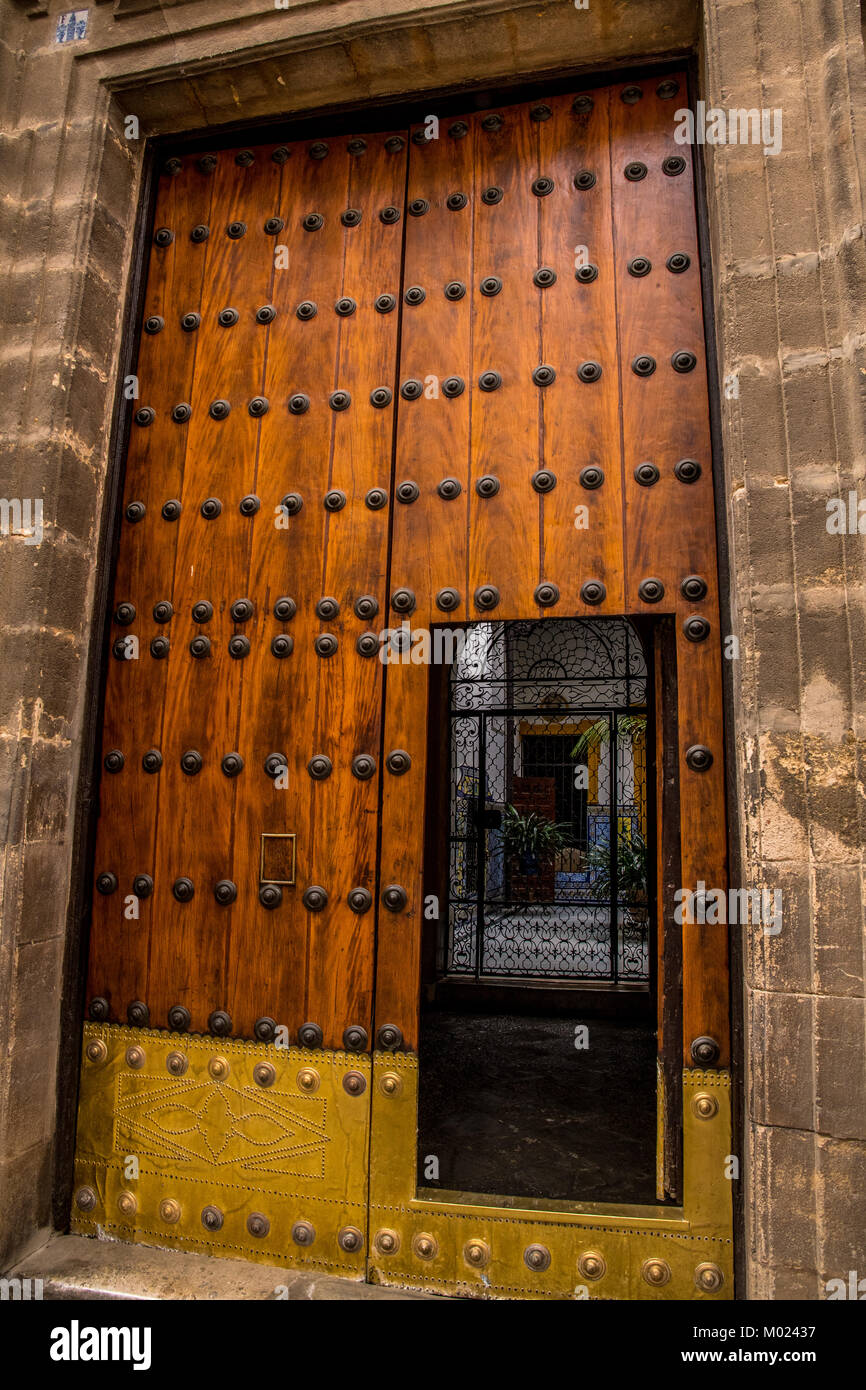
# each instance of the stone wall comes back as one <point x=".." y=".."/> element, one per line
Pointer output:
<point x="790" y="285"/>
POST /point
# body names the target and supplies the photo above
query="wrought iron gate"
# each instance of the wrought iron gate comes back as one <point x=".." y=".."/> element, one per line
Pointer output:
<point x="548" y="835"/>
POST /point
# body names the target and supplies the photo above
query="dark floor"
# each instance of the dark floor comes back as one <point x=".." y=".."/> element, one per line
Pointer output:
<point x="509" y="1106"/>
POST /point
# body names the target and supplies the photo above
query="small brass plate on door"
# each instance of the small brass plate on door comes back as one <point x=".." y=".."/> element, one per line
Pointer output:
<point x="278" y="859"/>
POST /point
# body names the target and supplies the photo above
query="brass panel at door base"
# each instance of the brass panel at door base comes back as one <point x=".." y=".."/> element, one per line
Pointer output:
<point x="230" y="1148"/>
<point x="490" y="1247"/>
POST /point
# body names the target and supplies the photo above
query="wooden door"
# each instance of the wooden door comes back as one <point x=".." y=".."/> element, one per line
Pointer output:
<point x="384" y="380"/>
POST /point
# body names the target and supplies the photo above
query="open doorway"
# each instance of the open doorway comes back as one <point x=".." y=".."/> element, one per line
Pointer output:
<point x="539" y="1050"/>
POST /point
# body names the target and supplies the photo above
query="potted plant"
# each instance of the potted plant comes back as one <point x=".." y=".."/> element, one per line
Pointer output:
<point x="531" y="841"/>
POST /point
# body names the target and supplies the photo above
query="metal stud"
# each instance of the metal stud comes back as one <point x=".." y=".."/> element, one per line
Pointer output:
<point x="119" y="649"/>
<point x="453" y="386"/>
<point x="651" y="590"/>
<point x="350" y="1239"/>
<point x="320" y="767"/>
<point x="135" y="512"/>
<point x="98" y="1009"/>
<point x="678" y="262"/>
<point x="415" y="294"/>
<point x="492" y="122"/>
<point x="403" y="601"/>
<point x="113" y="760"/>
<point x="244" y="158"/>
<point x="419" y="206"/>
<point x="476" y="1253"/>
<point x="591" y="1265"/>
<point x="169" y="1210"/>
<point x="285" y="609"/>
<point x="345" y="307"/>
<point x="315" y="898"/>
<point x="589" y="372"/>
<point x="200" y="648"/>
<point x="202" y="612"/>
<point x="135" y="1057"/>
<point x="274" y="225"/>
<point x="630" y="95"/>
<point x="492" y="195"/>
<point x="183" y="889"/>
<point x="395" y="898"/>
<point x="635" y="171"/>
<point x="258" y="406"/>
<point x="154" y="324"/>
<point x="106" y="883"/>
<point x="673" y="165"/>
<point x="585" y="274"/>
<point x="145" y="416"/>
<point x="412" y="389"/>
<point x="684" y="361"/>
<point x="639" y="266"/>
<point x="490" y="381"/>
<point x="667" y="89"/>
<point x="152" y="760"/>
<point x="546" y="595"/>
<point x="282" y="646"/>
<point x="425" y="1246"/>
<point x="593" y="592"/>
<point x="313" y="222"/>
<point x="239" y="647"/>
<point x="162" y="611"/>
<point x="389" y="215"/>
<point x="190" y="322"/>
<point x="212" y="1218"/>
<point x="687" y="470"/>
<point x="179" y="1020"/>
<point x="381" y="397"/>
<point x="644" y="365"/>
<point x="537" y="1258"/>
<point x="138" y="1014"/>
<point x="171" y="510"/>
<point x="456" y="202"/>
<point x="694" y="588"/>
<point x="542" y="187"/>
<point x="385" y="303"/>
<point x="459" y="130"/>
<point x="199" y="233"/>
<point x="219" y="410"/>
<point x="303" y="1233"/>
<point x="544" y="376"/>
<point x="376" y="499"/>
<point x="709" y="1277"/>
<point x="584" y="180"/>
<point x="85" y="1199"/>
<point x="232" y="764"/>
<point x="591" y="477"/>
<point x="398" y="762"/>
<point x="171" y="167"/>
<point x="124" y="614"/>
<point x="276" y="764"/>
<point x="449" y="489"/>
<point x="235" y="230"/>
<point x="310" y="1036"/>
<point x="447" y="600"/>
<point x="705" y="1105"/>
<point x="265" y="1029"/>
<point x="307" y="309"/>
<point x="207" y="163"/>
<point x="486" y="597"/>
<point x="366" y="606"/>
<point x="360" y="900"/>
<point x="699" y="758"/>
<point x="408" y="492"/>
<point x="543" y="480"/>
<point x="325" y="644"/>
<point x="488" y="486"/>
<point x="454" y="290"/>
<point x="351" y="217"/>
<point x="334" y="500"/>
<point x="363" y="766"/>
<point x="646" y="474"/>
<point x="696" y="628"/>
<point x="164" y="237"/>
<point x="656" y="1272"/>
<point x="394" y="144"/>
<point x="270" y="895"/>
<point x="211" y="508"/>
<point x="142" y="885"/>
<point x="355" y="1038"/>
<point x="258" y="1225"/>
<point x="367" y="644"/>
<point x="219" y="1023"/>
<point x="544" y="278"/>
<point x="491" y="285"/>
<point x="225" y="892"/>
<point x="159" y="647"/>
<point x="96" y="1051"/>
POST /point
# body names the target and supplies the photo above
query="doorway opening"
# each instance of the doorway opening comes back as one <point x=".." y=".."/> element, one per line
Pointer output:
<point x="538" y="1051"/>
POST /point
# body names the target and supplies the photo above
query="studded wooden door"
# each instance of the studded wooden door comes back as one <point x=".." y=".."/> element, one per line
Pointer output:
<point x="426" y="376"/>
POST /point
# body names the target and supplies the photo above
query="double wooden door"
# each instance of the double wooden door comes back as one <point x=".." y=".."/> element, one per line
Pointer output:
<point x="393" y="380"/>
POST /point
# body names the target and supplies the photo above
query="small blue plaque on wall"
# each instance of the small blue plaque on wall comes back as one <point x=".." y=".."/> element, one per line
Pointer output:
<point x="72" y="26"/>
